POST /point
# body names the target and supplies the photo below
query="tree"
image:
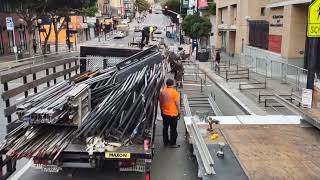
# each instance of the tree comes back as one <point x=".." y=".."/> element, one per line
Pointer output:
<point x="29" y="11"/>
<point x="212" y="8"/>
<point x="59" y="10"/>
<point x="142" y="5"/>
<point x="173" y="5"/>
<point x="196" y="27"/>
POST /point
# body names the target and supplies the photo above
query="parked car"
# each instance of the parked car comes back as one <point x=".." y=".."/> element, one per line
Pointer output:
<point x="119" y="35"/>
<point x="137" y="29"/>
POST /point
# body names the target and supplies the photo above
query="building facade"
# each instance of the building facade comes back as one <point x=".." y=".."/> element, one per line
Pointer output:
<point x="270" y="27"/>
<point x="104" y="8"/>
<point x="78" y="31"/>
<point x="6" y="37"/>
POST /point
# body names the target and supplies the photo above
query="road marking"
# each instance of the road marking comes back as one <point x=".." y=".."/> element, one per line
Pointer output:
<point x="22" y="97"/>
<point x="19" y="173"/>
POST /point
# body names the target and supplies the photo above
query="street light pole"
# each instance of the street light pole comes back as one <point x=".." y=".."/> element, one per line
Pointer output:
<point x="39" y="28"/>
<point x="68" y="34"/>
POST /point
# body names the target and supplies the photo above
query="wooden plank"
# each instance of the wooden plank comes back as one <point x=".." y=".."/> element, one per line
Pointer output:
<point x="13" y="92"/>
<point x="10" y="110"/>
<point x="275" y="151"/>
<point x="37" y="68"/>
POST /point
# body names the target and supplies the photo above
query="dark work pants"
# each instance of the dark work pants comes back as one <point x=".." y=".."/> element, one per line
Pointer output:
<point x="172" y="122"/>
<point x="145" y="36"/>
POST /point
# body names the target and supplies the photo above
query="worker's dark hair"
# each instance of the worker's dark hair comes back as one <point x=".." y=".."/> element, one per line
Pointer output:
<point x="169" y="82"/>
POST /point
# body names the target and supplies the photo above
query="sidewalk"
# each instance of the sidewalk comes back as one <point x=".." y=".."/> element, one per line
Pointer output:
<point x="249" y="98"/>
<point x="9" y="61"/>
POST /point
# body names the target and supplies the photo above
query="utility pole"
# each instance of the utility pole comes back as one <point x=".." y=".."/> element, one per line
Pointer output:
<point x="312" y="51"/>
<point x="68" y="34"/>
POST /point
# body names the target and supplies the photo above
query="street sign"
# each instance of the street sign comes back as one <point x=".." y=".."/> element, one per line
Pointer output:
<point x="314" y="19"/>
<point x="9" y="23"/>
<point x="185" y="3"/>
<point x="190" y="12"/>
<point x="306" y="98"/>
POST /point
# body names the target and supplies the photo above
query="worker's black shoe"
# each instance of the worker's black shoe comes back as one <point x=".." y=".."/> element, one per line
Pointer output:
<point x="175" y="146"/>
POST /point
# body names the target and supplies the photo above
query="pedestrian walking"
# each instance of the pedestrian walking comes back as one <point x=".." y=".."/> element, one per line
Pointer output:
<point x="170" y="112"/>
<point x="217" y="62"/>
<point x="34" y="44"/>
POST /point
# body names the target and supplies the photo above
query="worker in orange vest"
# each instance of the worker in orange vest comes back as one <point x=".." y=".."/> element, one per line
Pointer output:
<point x="170" y="111"/>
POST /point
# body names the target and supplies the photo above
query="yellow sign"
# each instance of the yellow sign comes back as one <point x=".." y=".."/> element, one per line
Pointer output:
<point x="111" y="155"/>
<point x="314" y="19"/>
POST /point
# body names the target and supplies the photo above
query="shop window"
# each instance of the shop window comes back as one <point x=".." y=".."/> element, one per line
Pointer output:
<point x="263" y="11"/>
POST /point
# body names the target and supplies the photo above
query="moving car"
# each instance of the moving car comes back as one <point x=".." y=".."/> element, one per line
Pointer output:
<point x="119" y="35"/>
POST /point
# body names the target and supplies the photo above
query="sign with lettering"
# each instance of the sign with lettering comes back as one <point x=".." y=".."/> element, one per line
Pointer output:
<point x="306" y="100"/>
<point x="185" y="3"/>
<point x="9" y="23"/>
<point x="113" y="155"/>
<point x="277" y="21"/>
<point x="314" y="19"/>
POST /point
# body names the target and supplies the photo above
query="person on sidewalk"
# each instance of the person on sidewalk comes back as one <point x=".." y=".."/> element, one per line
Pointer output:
<point x="170" y="112"/>
<point x="34" y="44"/>
<point x="217" y="62"/>
<point x="179" y="72"/>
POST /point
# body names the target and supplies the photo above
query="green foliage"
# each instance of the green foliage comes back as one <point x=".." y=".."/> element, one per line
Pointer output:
<point x="196" y="27"/>
<point x="142" y="5"/>
<point x="78" y="7"/>
<point x="212" y="8"/>
<point x="173" y="5"/>
<point x="89" y="11"/>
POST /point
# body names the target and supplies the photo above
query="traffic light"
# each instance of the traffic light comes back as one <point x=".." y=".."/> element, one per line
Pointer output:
<point x="166" y="9"/>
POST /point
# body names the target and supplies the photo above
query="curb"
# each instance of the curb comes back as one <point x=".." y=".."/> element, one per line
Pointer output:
<point x="228" y="93"/>
<point x="16" y="66"/>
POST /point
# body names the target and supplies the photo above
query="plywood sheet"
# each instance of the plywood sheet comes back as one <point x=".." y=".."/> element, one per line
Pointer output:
<point x="276" y="151"/>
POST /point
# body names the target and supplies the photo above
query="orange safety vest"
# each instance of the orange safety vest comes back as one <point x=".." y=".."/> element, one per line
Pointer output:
<point x="168" y="99"/>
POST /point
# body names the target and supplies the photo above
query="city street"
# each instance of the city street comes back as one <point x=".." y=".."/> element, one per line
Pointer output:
<point x="246" y="72"/>
<point x="177" y="164"/>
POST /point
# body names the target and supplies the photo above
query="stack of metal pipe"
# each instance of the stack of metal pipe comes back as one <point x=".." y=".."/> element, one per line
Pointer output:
<point x="58" y="103"/>
<point x="122" y="110"/>
<point x="37" y="141"/>
<point x="128" y="108"/>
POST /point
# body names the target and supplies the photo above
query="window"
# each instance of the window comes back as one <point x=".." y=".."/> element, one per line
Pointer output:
<point x="259" y="34"/>
<point x="263" y="11"/>
<point x="4" y="6"/>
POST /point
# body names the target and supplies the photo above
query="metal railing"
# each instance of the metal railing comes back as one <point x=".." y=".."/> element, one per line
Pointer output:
<point x="286" y="73"/>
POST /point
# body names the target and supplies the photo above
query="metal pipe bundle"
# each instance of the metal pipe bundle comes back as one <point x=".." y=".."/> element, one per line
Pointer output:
<point x="123" y="109"/>
<point x="61" y="105"/>
<point x="37" y="141"/>
<point x="128" y="104"/>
